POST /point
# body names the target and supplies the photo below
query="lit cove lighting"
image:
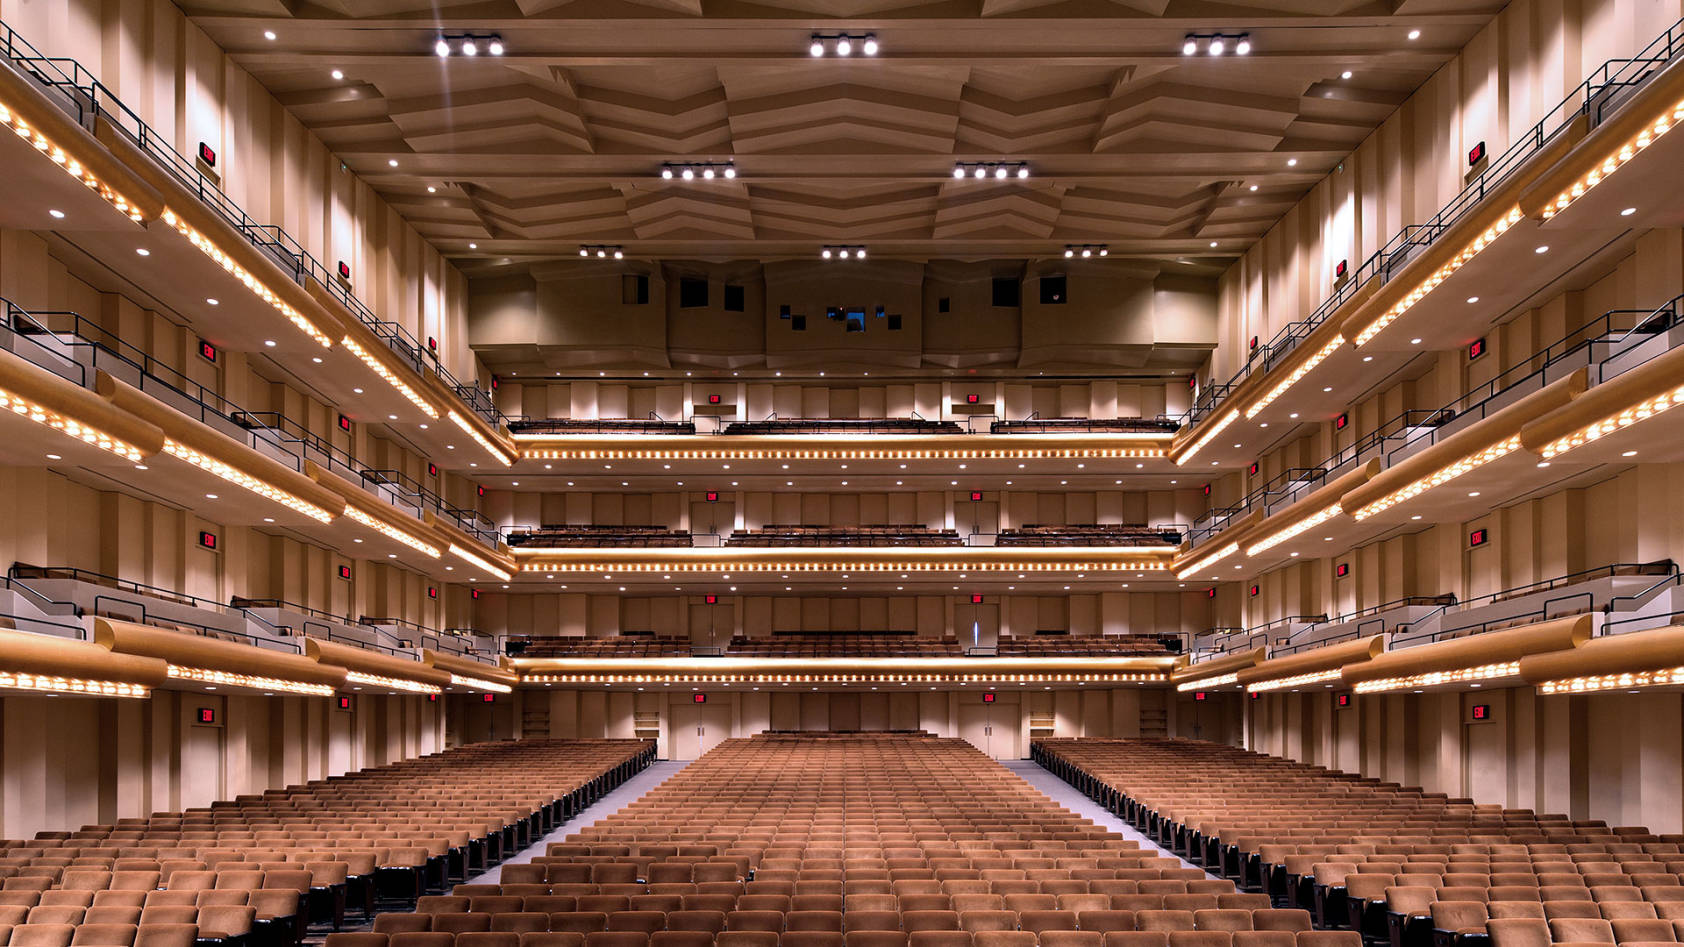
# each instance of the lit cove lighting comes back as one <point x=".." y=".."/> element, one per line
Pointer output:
<point x="71" y="166"/>
<point x="1484" y="672"/>
<point x="241" y="478"/>
<point x="1662" y="677"/>
<point x="480" y="561"/>
<point x="480" y="439"/>
<point x="391" y="532"/>
<point x="245" y="276"/>
<point x="1440" y="275"/>
<point x="395" y="683"/>
<point x="391" y="377"/>
<point x="1218" y="427"/>
<point x="1280" y="683"/>
<point x="1608" y="425"/>
<point x="1441" y="476"/>
<point x="51" y="683"/>
<point x="257" y="682"/>
<point x="1613" y="162"/>
<point x="34" y="412"/>
<point x="1205" y="562"/>
<point x="1205" y="682"/>
<point x="1291" y="379"/>
<point x="1282" y="535"/>
<point x="480" y="684"/>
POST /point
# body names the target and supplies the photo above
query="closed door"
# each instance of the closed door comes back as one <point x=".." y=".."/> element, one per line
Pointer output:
<point x="697" y="728"/>
<point x="993" y="728"/>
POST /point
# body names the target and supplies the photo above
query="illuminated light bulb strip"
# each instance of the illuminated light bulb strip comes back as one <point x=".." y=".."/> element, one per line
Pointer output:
<point x="480" y="561"/>
<point x="251" y="282"/>
<point x="23" y="681"/>
<point x="1441" y="476"/>
<point x="379" y="368"/>
<point x="243" y="479"/>
<point x="1293" y="377"/>
<point x="1218" y="427"/>
<point x="473" y="432"/>
<point x="1660" y="677"/>
<point x="728" y="453"/>
<point x="1204" y="682"/>
<point x="69" y="165"/>
<point x="1484" y="672"/>
<point x="1441" y="274"/>
<point x="1280" y="536"/>
<point x="392" y="532"/>
<point x="1205" y="562"/>
<point x="1638" y="412"/>
<point x="1615" y="161"/>
<point x="717" y="566"/>
<point x="480" y="684"/>
<point x="231" y="679"/>
<point x="1141" y="677"/>
<point x="395" y="683"/>
<point x="1313" y="677"/>
<point x="17" y="404"/>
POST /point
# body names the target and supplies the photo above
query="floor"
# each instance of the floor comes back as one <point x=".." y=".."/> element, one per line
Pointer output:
<point x="1067" y="796"/>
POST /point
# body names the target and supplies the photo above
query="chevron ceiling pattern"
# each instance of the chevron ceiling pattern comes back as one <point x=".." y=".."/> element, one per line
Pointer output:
<point x="522" y="157"/>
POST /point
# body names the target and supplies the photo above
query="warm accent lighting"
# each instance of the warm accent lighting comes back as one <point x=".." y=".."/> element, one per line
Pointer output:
<point x="1292" y="378"/>
<point x="480" y="561"/>
<point x="241" y="478"/>
<point x="391" y="377"/>
<point x="1614" y="161"/>
<point x="18" y="404"/>
<point x="684" y="677"/>
<point x="1606" y="682"/>
<point x="1282" y="535"/>
<point x="1206" y="437"/>
<point x="1441" y="274"/>
<point x="245" y="276"/>
<point x="838" y="453"/>
<point x="395" y="683"/>
<point x="1205" y="562"/>
<point x="1441" y="476"/>
<point x="481" y="439"/>
<point x="392" y="532"/>
<point x="1296" y="680"/>
<point x="1638" y="412"/>
<point x="71" y="166"/>
<point x="1207" y="682"/>
<point x="1484" y="672"/>
<point x="231" y="679"/>
<point x="51" y="683"/>
<point x="480" y="684"/>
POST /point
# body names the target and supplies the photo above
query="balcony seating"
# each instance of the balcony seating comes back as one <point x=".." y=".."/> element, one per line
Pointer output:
<point x="844" y="426"/>
<point x="1087" y="534"/>
<point x="1392" y="862"/>
<point x="599" y="426"/>
<point x="598" y="535"/>
<point x="259" y="869"/>
<point x="849" y="840"/>
<point x="881" y="534"/>
<point x="1048" y="646"/>
<point x="626" y="645"/>
<point x="1085" y="426"/>
<point x="883" y="644"/>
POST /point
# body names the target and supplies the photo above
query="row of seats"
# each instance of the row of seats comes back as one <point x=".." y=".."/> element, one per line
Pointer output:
<point x="874" y="534"/>
<point x="1087" y="534"/>
<point x="1085" y="426"/>
<point x="599" y="426"/>
<point x="1055" y="645"/>
<point x="615" y="646"/>
<point x="596" y="535"/>
<point x="844" y="426"/>
<point x="887" y="644"/>
<point x="850" y="939"/>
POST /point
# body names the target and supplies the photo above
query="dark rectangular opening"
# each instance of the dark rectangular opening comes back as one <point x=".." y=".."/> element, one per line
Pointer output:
<point x="634" y="290"/>
<point x="1007" y="293"/>
<point x="1053" y="291"/>
<point x="734" y="298"/>
<point x="692" y="293"/>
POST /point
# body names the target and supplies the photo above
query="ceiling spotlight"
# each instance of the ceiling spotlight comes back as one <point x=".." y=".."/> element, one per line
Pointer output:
<point x="1345" y="75"/>
<point x="1190" y="47"/>
<point x="689" y="174"/>
<point x="1000" y="172"/>
<point x="959" y="171"/>
<point x="666" y="171"/>
<point x="442" y="47"/>
<point x="1243" y="47"/>
<point x="730" y="171"/>
<point x="859" y="254"/>
<point x="842" y="252"/>
<point x="817" y="49"/>
<point x="269" y="35"/>
<point x="870" y="44"/>
<point x="1414" y="34"/>
<point x="844" y="47"/>
<point x="707" y="173"/>
<point x="1068" y="253"/>
<point x="981" y="172"/>
<point x="469" y="47"/>
<point x="1022" y="171"/>
<point x="496" y="46"/>
<point x="1086" y="250"/>
<point x="1217" y="46"/>
<point x="602" y="251"/>
<point x="337" y="74"/>
<point x="825" y="253"/>
<point x="843" y="43"/>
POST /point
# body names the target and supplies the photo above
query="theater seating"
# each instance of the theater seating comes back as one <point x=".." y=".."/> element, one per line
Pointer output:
<point x="599" y="426"/>
<point x="1086" y="426"/>
<point x="624" y="645"/>
<point x="598" y="535"/>
<point x="844" y="426"/>
<point x="1087" y="534"/>
<point x="884" y="644"/>
<point x="773" y="534"/>
<point x="1054" y="645"/>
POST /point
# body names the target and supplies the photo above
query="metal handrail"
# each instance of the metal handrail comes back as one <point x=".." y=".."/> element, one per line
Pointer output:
<point x="140" y="588"/>
<point x="1401" y="636"/>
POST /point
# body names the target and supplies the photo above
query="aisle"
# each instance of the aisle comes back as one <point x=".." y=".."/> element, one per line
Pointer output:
<point x="1066" y="795"/>
<point x="622" y="796"/>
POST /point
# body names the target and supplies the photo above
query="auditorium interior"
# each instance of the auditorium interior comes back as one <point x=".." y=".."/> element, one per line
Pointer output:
<point x="429" y="517"/>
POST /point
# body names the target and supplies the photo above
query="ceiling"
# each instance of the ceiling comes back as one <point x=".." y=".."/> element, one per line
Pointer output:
<point x="560" y="141"/>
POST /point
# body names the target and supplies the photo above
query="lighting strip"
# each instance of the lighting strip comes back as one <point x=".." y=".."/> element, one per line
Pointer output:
<point x="231" y="679"/>
<point x="1441" y="274"/>
<point x="228" y="263"/>
<point x="480" y="684"/>
<point x="1639" y="412"/>
<point x="1206" y="437"/>
<point x="1660" y="677"/>
<point x="1204" y="682"/>
<point x="481" y="439"/>
<point x="1201" y="563"/>
<point x="1613" y="162"/>
<point x="379" y="368"/>
<point x="392" y="532"/>
<point x="17" y="404"/>
<point x="240" y="478"/>
<point x="1282" y="535"/>
<point x="24" y="681"/>
<point x="737" y="453"/>
<point x="70" y="165"/>
<point x="396" y="683"/>
<point x="1291" y="379"/>
<point x="1441" y="476"/>
<point x="750" y="566"/>
<point x="1313" y="677"/>
<point x="480" y="561"/>
<point x="1145" y="677"/>
<point x="1484" y="672"/>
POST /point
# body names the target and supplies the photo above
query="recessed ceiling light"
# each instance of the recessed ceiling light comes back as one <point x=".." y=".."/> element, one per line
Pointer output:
<point x="269" y="35"/>
<point x="338" y="75"/>
<point x="1416" y="516"/>
<point x="475" y="246"/>
<point x="1542" y="249"/>
<point x="357" y="390"/>
<point x="1327" y="389"/>
<point x="56" y="214"/>
<point x="391" y="162"/>
<point x="270" y="343"/>
<point x="1629" y="453"/>
<point x="431" y="189"/>
<point x="1292" y="162"/>
<point x="57" y="457"/>
<point x="1345" y="75"/>
<point x="1473" y="493"/>
<point x="1368" y="358"/>
<point x="213" y="301"/>
<point x="1543" y="463"/>
<point x="1414" y="341"/>
<point x="1414" y="34"/>
<point x="1213" y="243"/>
<point x="1292" y="415"/>
<point x="1254" y="187"/>
<point x="210" y="496"/>
<point x="143" y="251"/>
<point x="1472" y="300"/>
<point x="1628" y="212"/>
